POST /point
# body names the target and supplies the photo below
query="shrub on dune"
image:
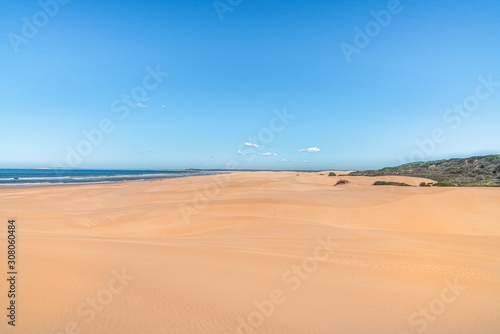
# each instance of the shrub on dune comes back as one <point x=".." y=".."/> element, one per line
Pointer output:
<point x="385" y="183"/>
<point x="423" y="184"/>
<point x="445" y="184"/>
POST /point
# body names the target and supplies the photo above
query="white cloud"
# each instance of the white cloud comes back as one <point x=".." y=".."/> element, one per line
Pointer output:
<point x="251" y="145"/>
<point x="283" y="160"/>
<point x="239" y="152"/>
<point x="310" y="150"/>
<point x="305" y="161"/>
<point x="163" y="106"/>
<point x="268" y="154"/>
<point x="141" y="105"/>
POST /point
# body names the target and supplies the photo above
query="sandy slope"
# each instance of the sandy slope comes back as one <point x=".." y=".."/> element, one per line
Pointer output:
<point x="255" y="253"/>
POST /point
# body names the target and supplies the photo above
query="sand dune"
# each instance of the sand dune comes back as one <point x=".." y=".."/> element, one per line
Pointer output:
<point x="257" y="252"/>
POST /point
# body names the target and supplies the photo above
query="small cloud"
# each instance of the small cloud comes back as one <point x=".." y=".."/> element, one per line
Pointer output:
<point x="141" y="105"/>
<point x="239" y="152"/>
<point x="310" y="150"/>
<point x="305" y="161"/>
<point x="268" y="154"/>
<point x="251" y="145"/>
<point x="283" y="160"/>
<point x="146" y="99"/>
<point x="163" y="106"/>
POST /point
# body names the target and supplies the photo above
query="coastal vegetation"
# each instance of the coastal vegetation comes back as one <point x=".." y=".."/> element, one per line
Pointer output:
<point x="479" y="171"/>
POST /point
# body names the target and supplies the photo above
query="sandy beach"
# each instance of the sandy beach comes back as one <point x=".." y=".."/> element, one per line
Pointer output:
<point x="254" y="252"/>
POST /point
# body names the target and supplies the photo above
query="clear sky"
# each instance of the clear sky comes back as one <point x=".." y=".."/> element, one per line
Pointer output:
<point x="314" y="84"/>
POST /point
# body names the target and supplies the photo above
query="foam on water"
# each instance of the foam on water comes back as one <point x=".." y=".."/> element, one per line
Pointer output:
<point x="43" y="177"/>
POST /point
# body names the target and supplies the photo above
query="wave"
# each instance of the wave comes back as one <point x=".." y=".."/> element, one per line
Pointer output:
<point x="17" y="179"/>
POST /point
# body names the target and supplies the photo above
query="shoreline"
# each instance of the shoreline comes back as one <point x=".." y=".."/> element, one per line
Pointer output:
<point x="337" y="177"/>
<point x="47" y="184"/>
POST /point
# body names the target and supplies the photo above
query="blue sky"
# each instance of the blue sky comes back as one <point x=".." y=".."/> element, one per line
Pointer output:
<point x="396" y="99"/>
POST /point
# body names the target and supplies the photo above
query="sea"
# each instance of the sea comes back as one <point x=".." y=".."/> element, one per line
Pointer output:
<point x="48" y="177"/>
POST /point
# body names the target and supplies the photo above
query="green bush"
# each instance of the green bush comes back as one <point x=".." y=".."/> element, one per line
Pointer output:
<point x="340" y="182"/>
<point x="423" y="184"/>
<point x="444" y="184"/>
<point x="332" y="174"/>
<point x="384" y="183"/>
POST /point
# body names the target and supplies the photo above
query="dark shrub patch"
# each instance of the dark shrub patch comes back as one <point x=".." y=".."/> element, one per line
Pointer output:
<point x="444" y="184"/>
<point x="384" y="183"/>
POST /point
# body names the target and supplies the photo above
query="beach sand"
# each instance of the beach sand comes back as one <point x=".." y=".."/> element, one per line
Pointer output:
<point x="256" y="252"/>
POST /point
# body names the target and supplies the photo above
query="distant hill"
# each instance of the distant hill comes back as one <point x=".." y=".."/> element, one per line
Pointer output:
<point x="481" y="171"/>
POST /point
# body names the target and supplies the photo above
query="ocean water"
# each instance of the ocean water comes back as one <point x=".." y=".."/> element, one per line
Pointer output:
<point x="44" y="177"/>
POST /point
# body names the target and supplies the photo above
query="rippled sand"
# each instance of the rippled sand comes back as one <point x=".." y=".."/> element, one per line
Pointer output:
<point x="255" y="252"/>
